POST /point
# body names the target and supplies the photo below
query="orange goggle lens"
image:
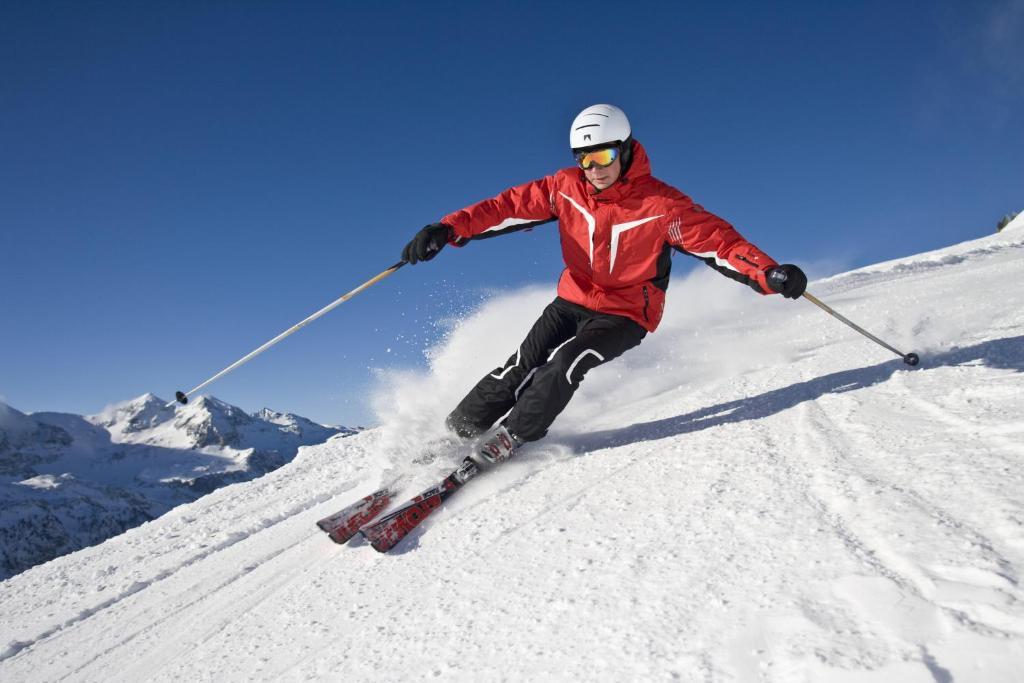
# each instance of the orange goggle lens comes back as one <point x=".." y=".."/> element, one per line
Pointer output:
<point x="601" y="157"/>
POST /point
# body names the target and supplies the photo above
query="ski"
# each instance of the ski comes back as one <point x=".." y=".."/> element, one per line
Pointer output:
<point x="343" y="525"/>
<point x="385" y="533"/>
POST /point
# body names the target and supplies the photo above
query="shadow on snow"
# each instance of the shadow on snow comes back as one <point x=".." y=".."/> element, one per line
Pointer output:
<point x="1006" y="353"/>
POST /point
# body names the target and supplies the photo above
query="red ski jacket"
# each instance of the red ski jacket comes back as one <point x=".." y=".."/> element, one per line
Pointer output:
<point x="617" y="244"/>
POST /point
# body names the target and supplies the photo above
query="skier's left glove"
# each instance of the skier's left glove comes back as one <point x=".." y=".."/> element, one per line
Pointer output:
<point x="788" y="280"/>
<point x="427" y="243"/>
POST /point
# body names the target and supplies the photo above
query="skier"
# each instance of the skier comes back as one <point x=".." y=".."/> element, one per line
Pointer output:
<point x="618" y="226"/>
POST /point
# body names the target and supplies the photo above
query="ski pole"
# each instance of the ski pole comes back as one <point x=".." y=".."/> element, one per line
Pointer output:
<point x="182" y="396"/>
<point x="908" y="358"/>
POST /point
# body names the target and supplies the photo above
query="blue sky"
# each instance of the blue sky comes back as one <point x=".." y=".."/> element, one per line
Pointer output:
<point x="179" y="182"/>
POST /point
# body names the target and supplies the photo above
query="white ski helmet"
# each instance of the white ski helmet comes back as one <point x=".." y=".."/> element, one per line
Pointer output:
<point x="598" y="125"/>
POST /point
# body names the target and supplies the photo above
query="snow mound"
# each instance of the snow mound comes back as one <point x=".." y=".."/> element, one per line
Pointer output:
<point x="1016" y="224"/>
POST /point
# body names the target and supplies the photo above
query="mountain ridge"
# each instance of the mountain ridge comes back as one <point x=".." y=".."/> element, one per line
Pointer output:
<point x="68" y="481"/>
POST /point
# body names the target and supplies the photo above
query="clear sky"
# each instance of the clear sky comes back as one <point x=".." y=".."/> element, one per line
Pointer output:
<point x="179" y="182"/>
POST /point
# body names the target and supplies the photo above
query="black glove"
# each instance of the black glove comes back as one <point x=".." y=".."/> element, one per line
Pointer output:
<point x="788" y="280"/>
<point x="427" y="243"/>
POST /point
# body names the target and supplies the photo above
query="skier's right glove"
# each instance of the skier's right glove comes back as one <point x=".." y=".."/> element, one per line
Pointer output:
<point x="427" y="243"/>
<point x="788" y="280"/>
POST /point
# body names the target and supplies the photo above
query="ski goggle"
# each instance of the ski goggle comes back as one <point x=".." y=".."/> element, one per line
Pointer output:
<point x="601" y="157"/>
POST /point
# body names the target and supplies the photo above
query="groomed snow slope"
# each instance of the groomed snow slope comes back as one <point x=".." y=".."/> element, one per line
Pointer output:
<point x="755" y="494"/>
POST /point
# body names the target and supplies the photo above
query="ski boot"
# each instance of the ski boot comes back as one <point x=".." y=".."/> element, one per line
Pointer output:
<point x="496" y="446"/>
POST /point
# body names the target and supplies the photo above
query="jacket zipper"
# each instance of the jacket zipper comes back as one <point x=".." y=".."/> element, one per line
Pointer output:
<point x="647" y="302"/>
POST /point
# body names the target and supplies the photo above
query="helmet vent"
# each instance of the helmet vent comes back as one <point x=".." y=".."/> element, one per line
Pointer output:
<point x="600" y="124"/>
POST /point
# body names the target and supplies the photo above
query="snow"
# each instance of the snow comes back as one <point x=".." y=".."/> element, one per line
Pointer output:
<point x="68" y="481"/>
<point x="756" y="493"/>
<point x="44" y="482"/>
<point x="1017" y="223"/>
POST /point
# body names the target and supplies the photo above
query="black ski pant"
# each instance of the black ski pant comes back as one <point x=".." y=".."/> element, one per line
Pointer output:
<point x="539" y="379"/>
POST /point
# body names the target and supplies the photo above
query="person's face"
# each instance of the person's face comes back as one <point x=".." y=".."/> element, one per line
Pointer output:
<point x="602" y="177"/>
<point x="597" y="168"/>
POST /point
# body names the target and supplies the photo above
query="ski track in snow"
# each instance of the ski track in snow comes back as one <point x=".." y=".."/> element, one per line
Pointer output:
<point x="833" y="517"/>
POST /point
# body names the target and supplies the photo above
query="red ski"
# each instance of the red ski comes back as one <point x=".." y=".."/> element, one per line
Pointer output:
<point x="385" y="533"/>
<point x="344" y="524"/>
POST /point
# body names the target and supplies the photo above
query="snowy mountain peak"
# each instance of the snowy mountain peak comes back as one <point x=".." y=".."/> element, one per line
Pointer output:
<point x="211" y="404"/>
<point x="18" y="430"/>
<point x="211" y="422"/>
<point x="269" y="415"/>
<point x="138" y="414"/>
<point x="68" y="481"/>
<point x="14" y="422"/>
<point x="295" y="423"/>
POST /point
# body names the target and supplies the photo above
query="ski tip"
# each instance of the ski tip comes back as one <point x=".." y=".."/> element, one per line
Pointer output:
<point x="340" y="537"/>
<point x="381" y="548"/>
<point x="333" y="532"/>
<point x="376" y="542"/>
